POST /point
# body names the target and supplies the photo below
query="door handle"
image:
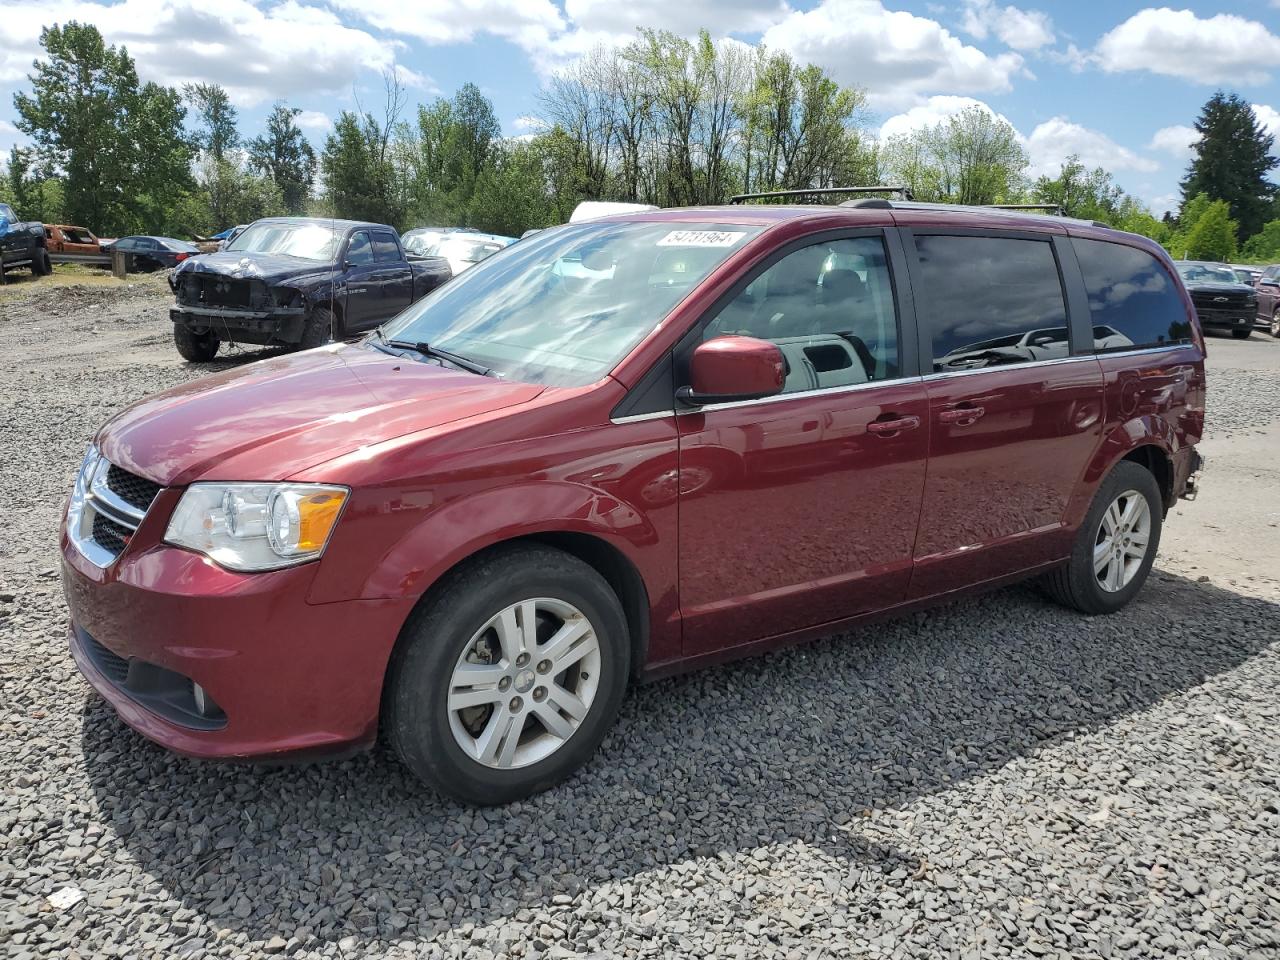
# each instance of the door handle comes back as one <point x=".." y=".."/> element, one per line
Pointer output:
<point x="962" y="416"/>
<point x="882" y="428"/>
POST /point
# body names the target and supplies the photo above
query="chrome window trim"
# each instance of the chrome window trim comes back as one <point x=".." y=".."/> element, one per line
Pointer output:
<point x="948" y="374"/>
<point x="799" y="394"/>
<point x="640" y="417"/>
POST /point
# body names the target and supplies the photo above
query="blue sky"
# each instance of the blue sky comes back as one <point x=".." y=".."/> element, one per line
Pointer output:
<point x="1117" y="83"/>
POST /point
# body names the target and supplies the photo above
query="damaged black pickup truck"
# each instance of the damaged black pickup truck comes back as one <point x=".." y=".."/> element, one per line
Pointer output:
<point x="296" y="282"/>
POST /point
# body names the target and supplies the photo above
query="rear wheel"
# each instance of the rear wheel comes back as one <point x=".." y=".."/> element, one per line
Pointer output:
<point x="1241" y="334"/>
<point x="318" y="329"/>
<point x="508" y="681"/>
<point x="196" y="347"/>
<point x="1115" y="546"/>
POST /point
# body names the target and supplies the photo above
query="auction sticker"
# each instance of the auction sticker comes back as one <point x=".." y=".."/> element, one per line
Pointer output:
<point x="700" y="238"/>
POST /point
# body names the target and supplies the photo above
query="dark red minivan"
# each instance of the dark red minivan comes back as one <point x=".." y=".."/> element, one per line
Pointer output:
<point x="623" y="448"/>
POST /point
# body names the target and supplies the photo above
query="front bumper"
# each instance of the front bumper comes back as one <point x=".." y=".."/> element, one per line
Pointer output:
<point x="265" y="327"/>
<point x="1225" y="319"/>
<point x="287" y="677"/>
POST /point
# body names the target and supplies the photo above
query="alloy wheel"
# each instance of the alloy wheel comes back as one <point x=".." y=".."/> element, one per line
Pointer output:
<point x="1122" y="541"/>
<point x="1275" y="323"/>
<point x="524" y="683"/>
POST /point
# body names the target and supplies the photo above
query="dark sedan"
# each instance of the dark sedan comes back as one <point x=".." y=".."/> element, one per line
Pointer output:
<point x="155" y="253"/>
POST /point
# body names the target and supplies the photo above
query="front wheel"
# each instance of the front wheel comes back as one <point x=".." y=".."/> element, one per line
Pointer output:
<point x="318" y="329"/>
<point x="1275" y="323"/>
<point x="196" y="347"/>
<point x="1115" y="546"/>
<point x="41" y="265"/>
<point x="508" y="681"/>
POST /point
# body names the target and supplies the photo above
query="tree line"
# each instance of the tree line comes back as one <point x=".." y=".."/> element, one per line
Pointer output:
<point x="664" y="119"/>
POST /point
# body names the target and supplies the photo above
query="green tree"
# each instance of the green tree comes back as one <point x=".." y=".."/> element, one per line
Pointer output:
<point x="118" y="147"/>
<point x="1231" y="161"/>
<point x="216" y="134"/>
<point x="1211" y="235"/>
<point x="356" y="174"/>
<point x="227" y="194"/>
<point x="32" y="195"/>
<point x="1264" y="246"/>
<point x="1080" y="192"/>
<point x="972" y="157"/>
<point x="284" y="155"/>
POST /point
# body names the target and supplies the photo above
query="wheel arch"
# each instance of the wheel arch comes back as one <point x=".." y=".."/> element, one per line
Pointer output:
<point x="606" y="559"/>
<point x="1149" y="441"/>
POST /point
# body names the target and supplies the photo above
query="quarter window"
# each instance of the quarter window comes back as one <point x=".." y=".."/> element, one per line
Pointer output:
<point x="829" y="308"/>
<point x="992" y="301"/>
<point x="1133" y="301"/>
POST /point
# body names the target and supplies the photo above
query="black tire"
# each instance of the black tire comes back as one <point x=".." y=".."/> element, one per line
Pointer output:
<point x="415" y="711"/>
<point x="196" y="347"/>
<point x="1241" y="334"/>
<point x="1275" y="323"/>
<point x="318" y="329"/>
<point x="41" y="265"/>
<point x="1075" y="584"/>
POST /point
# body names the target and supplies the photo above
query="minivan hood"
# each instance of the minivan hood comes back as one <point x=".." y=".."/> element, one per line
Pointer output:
<point x="270" y="419"/>
<point x="265" y="266"/>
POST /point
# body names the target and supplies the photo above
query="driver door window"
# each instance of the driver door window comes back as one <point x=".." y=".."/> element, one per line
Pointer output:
<point x="359" y="251"/>
<point x="829" y="308"/>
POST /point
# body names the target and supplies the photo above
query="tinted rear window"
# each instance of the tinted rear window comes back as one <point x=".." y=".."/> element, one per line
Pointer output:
<point x="1133" y="302"/>
<point x="385" y="249"/>
<point x="992" y="301"/>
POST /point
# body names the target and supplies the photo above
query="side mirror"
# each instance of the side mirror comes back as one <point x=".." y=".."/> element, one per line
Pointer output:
<point x="733" y="368"/>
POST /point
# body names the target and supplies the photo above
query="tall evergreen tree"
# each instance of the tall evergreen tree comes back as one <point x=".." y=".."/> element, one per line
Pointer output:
<point x="1231" y="161"/>
<point x="217" y="133"/>
<point x="284" y="154"/>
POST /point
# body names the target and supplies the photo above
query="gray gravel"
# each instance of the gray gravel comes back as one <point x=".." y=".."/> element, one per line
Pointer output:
<point x="996" y="778"/>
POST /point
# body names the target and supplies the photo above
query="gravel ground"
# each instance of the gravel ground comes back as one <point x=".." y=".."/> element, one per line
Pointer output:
<point x="998" y="777"/>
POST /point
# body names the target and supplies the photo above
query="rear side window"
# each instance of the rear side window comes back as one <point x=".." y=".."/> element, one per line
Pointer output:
<point x="992" y="301"/>
<point x="385" y="249"/>
<point x="1133" y="302"/>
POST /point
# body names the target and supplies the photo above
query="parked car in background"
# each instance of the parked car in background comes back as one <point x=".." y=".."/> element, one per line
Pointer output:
<point x="420" y="240"/>
<point x="1245" y="273"/>
<point x="148" y="254"/>
<point x="1222" y="302"/>
<point x="296" y="282"/>
<point x="22" y="244"/>
<point x="464" y="250"/>
<point x="226" y="236"/>
<point x="1268" y="292"/>
<point x="721" y="431"/>
<point x="70" y="242"/>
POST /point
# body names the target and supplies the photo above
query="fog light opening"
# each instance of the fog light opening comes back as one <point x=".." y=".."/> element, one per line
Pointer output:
<point x="205" y="706"/>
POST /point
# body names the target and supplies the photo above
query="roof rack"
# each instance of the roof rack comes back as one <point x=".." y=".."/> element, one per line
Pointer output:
<point x="901" y="193"/>
<point x="1053" y="209"/>
<point x="1019" y="210"/>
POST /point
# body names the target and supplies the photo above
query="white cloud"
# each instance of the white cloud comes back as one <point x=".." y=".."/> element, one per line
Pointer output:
<point x="1014" y="27"/>
<point x="1224" y="48"/>
<point x="896" y="55"/>
<point x="685" y="17"/>
<point x="528" y="124"/>
<point x="1176" y="140"/>
<point x="257" y="53"/>
<point x="527" y="23"/>
<point x="931" y="113"/>
<point x="1269" y="117"/>
<point x="316" y="120"/>
<point x="1058" y="138"/>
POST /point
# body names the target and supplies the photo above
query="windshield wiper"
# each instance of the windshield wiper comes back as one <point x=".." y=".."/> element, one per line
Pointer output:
<point x="421" y="347"/>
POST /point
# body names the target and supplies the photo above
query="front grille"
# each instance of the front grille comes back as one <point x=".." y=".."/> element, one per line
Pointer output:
<point x="1224" y="302"/>
<point x="136" y="491"/>
<point x="114" y="668"/>
<point x="110" y="535"/>
<point x="210" y="290"/>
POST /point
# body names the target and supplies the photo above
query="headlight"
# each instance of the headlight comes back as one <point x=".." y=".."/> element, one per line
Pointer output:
<point x="256" y="526"/>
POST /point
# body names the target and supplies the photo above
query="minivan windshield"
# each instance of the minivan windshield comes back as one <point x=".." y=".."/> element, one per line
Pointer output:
<point x="308" y="241"/>
<point x="564" y="306"/>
